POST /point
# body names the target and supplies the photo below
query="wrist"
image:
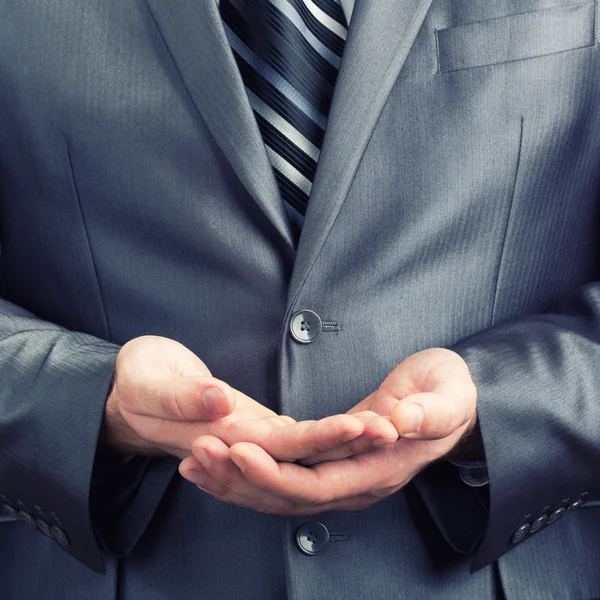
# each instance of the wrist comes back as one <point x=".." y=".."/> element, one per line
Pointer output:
<point x="116" y="434"/>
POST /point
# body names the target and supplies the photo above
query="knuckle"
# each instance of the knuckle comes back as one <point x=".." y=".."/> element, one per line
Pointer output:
<point x="176" y="405"/>
<point x="222" y="494"/>
<point x="230" y="492"/>
<point x="166" y="399"/>
<point x="228" y="482"/>
<point x="314" y="448"/>
<point x="228" y="499"/>
<point x="263" y="486"/>
<point x="270" y="438"/>
<point x="356" y="446"/>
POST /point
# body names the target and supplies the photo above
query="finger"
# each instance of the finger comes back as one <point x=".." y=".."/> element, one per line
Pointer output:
<point x="194" y="473"/>
<point x="191" y="470"/>
<point x="309" y="487"/>
<point x="378" y="432"/>
<point x="297" y="440"/>
<point x="231" y="486"/>
<point x="432" y="415"/>
<point x="214" y="457"/>
<point x="260" y="469"/>
<point x="160" y="377"/>
<point x="177" y="437"/>
<point x="184" y="398"/>
<point x="379" y="429"/>
<point x="306" y="438"/>
<point x="328" y="482"/>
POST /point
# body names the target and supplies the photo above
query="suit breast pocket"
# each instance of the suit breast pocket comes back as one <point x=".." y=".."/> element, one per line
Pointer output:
<point x="516" y="37"/>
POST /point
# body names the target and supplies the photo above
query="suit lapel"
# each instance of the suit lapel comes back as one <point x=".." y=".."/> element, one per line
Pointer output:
<point x="380" y="37"/>
<point x="194" y="35"/>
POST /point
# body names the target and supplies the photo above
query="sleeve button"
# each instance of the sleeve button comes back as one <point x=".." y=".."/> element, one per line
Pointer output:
<point x="60" y="536"/>
<point x="520" y="534"/>
<point x="10" y="510"/>
<point x="557" y="514"/>
<point x="538" y="524"/>
<point x="26" y="518"/>
<point x="44" y="527"/>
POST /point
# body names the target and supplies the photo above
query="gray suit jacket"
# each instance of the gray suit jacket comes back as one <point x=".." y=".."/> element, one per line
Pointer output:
<point x="456" y="204"/>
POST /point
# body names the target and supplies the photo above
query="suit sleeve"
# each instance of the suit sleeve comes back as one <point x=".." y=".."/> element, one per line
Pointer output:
<point x="538" y="382"/>
<point x="54" y="385"/>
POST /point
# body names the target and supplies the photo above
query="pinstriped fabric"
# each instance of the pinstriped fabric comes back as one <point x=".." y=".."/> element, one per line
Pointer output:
<point x="288" y="53"/>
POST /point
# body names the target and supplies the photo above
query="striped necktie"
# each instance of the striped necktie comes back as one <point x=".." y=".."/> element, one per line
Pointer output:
<point x="288" y="53"/>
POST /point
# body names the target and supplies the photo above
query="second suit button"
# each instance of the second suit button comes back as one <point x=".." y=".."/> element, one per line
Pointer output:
<point x="311" y="538"/>
<point x="306" y="326"/>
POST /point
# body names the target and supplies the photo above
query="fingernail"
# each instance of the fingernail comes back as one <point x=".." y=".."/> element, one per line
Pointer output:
<point x="381" y="442"/>
<point x="195" y="477"/>
<point x="413" y="417"/>
<point x="213" y="399"/>
<point x="349" y="436"/>
<point x="203" y="458"/>
<point x="239" y="462"/>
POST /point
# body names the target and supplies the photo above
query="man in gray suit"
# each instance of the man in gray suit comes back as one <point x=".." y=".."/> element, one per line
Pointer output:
<point x="382" y="373"/>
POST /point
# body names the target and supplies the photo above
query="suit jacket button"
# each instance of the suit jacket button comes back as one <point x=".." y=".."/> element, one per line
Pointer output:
<point x="26" y="518"/>
<point x="60" y="536"/>
<point x="575" y="504"/>
<point x="10" y="510"/>
<point x="306" y="326"/>
<point x="557" y="514"/>
<point x="538" y="523"/>
<point x="311" y="538"/>
<point x="520" y="534"/>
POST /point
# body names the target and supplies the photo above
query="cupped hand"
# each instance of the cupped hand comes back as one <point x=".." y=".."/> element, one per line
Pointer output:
<point x="437" y="381"/>
<point x="163" y="397"/>
<point x="428" y="396"/>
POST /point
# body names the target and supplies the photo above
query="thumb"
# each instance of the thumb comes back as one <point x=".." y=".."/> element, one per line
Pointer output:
<point x="191" y="398"/>
<point x="432" y="415"/>
<point x="161" y="378"/>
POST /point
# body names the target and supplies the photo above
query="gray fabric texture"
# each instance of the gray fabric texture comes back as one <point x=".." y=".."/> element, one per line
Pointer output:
<point x="455" y="205"/>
